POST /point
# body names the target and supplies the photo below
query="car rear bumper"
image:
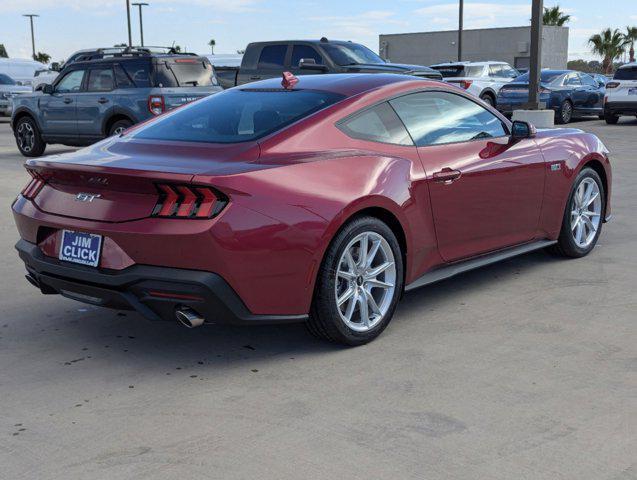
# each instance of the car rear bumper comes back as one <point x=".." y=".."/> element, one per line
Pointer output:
<point x="155" y="292"/>
<point x="621" y="108"/>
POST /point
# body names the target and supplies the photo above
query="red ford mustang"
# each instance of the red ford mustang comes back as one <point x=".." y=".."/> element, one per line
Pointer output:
<point x="318" y="199"/>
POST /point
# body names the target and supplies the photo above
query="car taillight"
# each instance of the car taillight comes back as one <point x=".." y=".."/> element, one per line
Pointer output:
<point x="466" y="84"/>
<point x="156" y="104"/>
<point x="32" y="188"/>
<point x="612" y="84"/>
<point x="181" y="201"/>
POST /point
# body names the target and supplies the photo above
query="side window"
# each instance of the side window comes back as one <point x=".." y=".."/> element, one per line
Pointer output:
<point x="377" y="124"/>
<point x="272" y="56"/>
<point x="509" y="72"/>
<point x="100" y="80"/>
<point x="72" y="82"/>
<point x="588" y="80"/>
<point x="139" y="72"/>
<point x="435" y="118"/>
<point x="495" y="70"/>
<point x="572" y="79"/>
<point x="121" y="78"/>
<point x="304" y="51"/>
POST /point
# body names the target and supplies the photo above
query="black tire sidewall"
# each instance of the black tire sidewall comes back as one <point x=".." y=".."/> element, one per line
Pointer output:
<point x="120" y="123"/>
<point x="324" y="304"/>
<point x="488" y="99"/>
<point x="566" y="241"/>
<point x="38" y="144"/>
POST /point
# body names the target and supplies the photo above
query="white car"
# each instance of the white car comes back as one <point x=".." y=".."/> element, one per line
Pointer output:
<point x="22" y="70"/>
<point x="482" y="79"/>
<point x="621" y="94"/>
<point x="9" y="89"/>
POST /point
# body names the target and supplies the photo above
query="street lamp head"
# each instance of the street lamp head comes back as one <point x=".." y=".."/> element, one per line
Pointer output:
<point x="140" y="4"/>
<point x="30" y="15"/>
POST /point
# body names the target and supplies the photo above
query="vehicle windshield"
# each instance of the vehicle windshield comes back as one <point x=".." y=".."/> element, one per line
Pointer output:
<point x="6" y="80"/>
<point x="237" y="115"/>
<point x="185" y="72"/>
<point x="449" y="71"/>
<point x="626" y="73"/>
<point x="351" y="54"/>
<point x="545" y="77"/>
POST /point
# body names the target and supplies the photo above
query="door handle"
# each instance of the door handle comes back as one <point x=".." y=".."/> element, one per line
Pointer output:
<point x="103" y="100"/>
<point x="447" y="175"/>
<point x="255" y="77"/>
<point x="68" y="100"/>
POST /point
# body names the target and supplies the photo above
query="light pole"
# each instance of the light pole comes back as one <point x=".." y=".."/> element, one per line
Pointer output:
<point x="130" y="38"/>
<point x="31" y="15"/>
<point x="535" y="70"/>
<point x="141" y="23"/>
<point x="460" y="27"/>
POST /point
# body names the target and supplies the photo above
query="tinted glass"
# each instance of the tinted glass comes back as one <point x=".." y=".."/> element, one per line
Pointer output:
<point x="572" y="80"/>
<point x="304" y="51"/>
<point x="449" y="71"/>
<point x="434" y="118"/>
<point x="509" y="72"/>
<point x="377" y="124"/>
<point x="121" y="77"/>
<point x="545" y="77"/>
<point x="351" y="54"/>
<point x="139" y="73"/>
<point x="626" y="73"/>
<point x="6" y="80"/>
<point x="588" y="80"/>
<point x="100" y="80"/>
<point x="272" y="56"/>
<point x="495" y="70"/>
<point x="72" y="82"/>
<point x="185" y="72"/>
<point x="237" y="115"/>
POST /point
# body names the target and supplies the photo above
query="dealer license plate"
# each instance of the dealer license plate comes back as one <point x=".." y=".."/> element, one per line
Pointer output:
<point x="82" y="248"/>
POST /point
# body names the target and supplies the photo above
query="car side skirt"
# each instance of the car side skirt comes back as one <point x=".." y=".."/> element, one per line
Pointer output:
<point x="454" y="269"/>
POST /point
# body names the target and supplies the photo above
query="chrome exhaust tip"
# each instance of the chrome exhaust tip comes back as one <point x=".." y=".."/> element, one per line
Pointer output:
<point x="188" y="317"/>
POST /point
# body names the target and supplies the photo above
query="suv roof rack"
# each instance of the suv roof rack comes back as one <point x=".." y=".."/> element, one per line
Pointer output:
<point x="134" y="51"/>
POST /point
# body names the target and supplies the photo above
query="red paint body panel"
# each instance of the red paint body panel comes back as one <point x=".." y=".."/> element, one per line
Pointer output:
<point x="289" y="194"/>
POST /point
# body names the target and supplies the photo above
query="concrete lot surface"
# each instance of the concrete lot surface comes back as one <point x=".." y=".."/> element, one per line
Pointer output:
<point x="523" y="370"/>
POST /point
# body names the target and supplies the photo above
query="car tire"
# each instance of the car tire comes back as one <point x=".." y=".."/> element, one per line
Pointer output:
<point x="585" y="212"/>
<point x="488" y="99"/>
<point x="367" y="286"/>
<point x="119" y="126"/>
<point x="28" y="137"/>
<point x="564" y="114"/>
<point x="611" y="119"/>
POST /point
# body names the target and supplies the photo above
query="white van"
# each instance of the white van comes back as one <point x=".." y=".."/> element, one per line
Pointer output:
<point x="21" y="70"/>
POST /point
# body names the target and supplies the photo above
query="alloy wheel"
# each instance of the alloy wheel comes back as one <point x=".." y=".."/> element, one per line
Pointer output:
<point x="26" y="137"/>
<point x="365" y="281"/>
<point x="567" y="112"/>
<point x="586" y="212"/>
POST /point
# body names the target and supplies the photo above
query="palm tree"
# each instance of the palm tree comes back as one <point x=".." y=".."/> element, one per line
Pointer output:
<point x="608" y="44"/>
<point x="212" y="44"/>
<point x="631" y="37"/>
<point x="555" y="17"/>
<point x="42" y="57"/>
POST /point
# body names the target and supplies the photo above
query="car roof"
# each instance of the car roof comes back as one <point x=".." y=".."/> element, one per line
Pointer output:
<point x="347" y="84"/>
<point x="476" y="64"/>
<point x="130" y="58"/>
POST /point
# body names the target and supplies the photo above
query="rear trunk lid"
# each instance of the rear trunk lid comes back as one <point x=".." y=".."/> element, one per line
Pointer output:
<point x="116" y="180"/>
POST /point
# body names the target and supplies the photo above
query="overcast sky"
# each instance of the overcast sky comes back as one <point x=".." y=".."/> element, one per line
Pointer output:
<point x="69" y="25"/>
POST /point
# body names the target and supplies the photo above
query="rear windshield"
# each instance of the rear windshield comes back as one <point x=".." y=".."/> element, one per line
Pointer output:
<point x="237" y="115"/>
<point x="6" y="80"/>
<point x="449" y="71"/>
<point x="185" y="72"/>
<point x="626" y="73"/>
<point x="545" y="77"/>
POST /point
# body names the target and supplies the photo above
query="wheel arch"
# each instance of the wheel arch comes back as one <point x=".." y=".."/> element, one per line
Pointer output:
<point x="115" y="116"/>
<point x="490" y="92"/>
<point x="596" y="165"/>
<point x="24" y="112"/>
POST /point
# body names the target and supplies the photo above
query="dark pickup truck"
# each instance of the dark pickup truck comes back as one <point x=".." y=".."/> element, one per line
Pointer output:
<point x="305" y="57"/>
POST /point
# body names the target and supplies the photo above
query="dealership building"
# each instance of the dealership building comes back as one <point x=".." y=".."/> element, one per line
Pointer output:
<point x="508" y="44"/>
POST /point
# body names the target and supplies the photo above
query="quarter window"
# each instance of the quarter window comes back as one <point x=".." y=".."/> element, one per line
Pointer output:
<point x="273" y="56"/>
<point x="72" y="82"/>
<point x="435" y="118"/>
<point x="100" y="80"/>
<point x="377" y="124"/>
<point x="122" y="78"/>
<point x="139" y="72"/>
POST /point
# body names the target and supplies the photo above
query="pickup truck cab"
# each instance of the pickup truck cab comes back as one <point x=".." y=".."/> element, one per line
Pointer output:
<point x="264" y="60"/>
<point x="101" y="94"/>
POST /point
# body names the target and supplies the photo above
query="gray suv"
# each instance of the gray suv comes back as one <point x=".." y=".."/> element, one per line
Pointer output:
<point x="102" y="94"/>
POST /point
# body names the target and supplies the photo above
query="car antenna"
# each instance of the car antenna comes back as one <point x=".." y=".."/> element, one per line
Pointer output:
<point x="289" y="80"/>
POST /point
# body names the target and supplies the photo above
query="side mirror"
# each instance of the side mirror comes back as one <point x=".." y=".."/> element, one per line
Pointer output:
<point x="310" y="64"/>
<point x="39" y="87"/>
<point x="521" y="130"/>
<point x="55" y="66"/>
<point x="601" y="84"/>
<point x="47" y="88"/>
